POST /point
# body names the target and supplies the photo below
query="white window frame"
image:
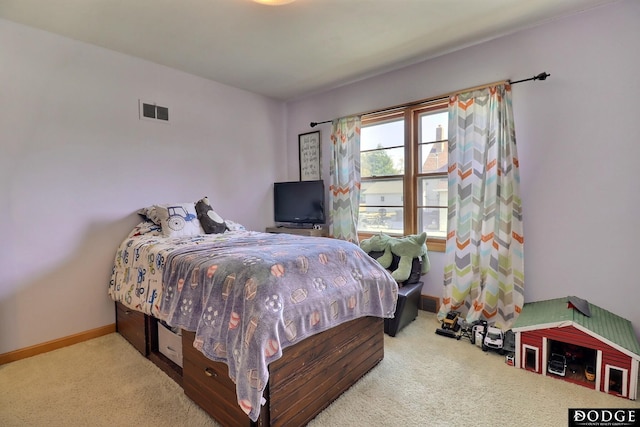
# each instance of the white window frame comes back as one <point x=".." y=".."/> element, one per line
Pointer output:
<point x="625" y="377"/>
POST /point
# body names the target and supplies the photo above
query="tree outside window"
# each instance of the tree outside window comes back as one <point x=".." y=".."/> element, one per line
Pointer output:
<point x="404" y="185"/>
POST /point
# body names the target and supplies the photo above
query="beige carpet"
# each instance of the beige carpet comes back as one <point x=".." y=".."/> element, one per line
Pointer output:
<point x="424" y="380"/>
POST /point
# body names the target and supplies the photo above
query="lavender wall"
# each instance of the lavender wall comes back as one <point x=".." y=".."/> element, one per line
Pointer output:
<point x="576" y="142"/>
<point x="76" y="163"/>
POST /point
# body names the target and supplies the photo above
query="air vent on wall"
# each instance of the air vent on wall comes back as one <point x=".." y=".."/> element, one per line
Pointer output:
<point x="429" y="303"/>
<point x="152" y="111"/>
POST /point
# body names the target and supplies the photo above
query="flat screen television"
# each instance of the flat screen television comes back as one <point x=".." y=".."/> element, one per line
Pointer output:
<point x="299" y="203"/>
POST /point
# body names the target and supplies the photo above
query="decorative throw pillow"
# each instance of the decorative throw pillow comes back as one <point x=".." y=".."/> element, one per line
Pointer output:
<point x="211" y="222"/>
<point x="234" y="226"/>
<point x="145" y="227"/>
<point x="150" y="213"/>
<point x="178" y="219"/>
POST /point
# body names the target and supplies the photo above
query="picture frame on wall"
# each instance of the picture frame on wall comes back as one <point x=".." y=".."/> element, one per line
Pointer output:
<point x="309" y="152"/>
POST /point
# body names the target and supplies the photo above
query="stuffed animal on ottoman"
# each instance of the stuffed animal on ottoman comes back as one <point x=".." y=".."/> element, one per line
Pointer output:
<point x="405" y="248"/>
<point x="379" y="243"/>
<point x="408" y="248"/>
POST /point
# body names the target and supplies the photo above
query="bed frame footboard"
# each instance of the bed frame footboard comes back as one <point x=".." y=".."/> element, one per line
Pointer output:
<point x="302" y="383"/>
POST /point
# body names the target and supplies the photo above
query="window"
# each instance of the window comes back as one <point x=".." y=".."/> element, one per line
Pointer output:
<point x="403" y="161"/>
<point x="615" y="380"/>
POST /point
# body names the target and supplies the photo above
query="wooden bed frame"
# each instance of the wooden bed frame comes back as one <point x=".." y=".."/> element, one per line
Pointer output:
<point x="309" y="376"/>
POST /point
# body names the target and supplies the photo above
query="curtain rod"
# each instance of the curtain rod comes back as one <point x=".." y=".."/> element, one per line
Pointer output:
<point x="541" y="76"/>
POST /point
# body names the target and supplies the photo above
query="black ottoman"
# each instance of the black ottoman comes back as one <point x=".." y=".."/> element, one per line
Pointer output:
<point x="406" y="308"/>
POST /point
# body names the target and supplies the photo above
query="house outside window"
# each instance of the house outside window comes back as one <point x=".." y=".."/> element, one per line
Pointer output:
<point x="404" y="160"/>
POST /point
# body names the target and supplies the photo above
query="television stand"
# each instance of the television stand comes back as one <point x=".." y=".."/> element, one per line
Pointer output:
<point x="299" y="231"/>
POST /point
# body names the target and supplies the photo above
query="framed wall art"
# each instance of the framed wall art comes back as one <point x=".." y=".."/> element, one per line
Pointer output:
<point x="309" y="150"/>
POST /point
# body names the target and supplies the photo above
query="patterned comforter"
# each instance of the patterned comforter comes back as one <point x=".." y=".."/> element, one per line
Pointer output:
<point x="249" y="295"/>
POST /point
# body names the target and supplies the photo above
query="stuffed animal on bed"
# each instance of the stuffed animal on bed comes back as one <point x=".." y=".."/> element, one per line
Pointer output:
<point x="211" y="222"/>
<point x="408" y="248"/>
<point x="379" y="243"/>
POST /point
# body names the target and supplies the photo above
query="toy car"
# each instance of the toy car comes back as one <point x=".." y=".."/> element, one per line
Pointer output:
<point x="451" y="321"/>
<point x="573" y="353"/>
<point x="450" y="325"/>
<point x="494" y="339"/>
<point x="590" y="373"/>
<point x="557" y="364"/>
<point x="478" y="332"/>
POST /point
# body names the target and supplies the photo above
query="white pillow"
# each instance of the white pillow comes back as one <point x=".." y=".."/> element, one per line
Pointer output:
<point x="178" y="219"/>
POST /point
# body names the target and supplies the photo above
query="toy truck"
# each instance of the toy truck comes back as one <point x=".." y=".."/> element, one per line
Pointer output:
<point x="493" y="339"/>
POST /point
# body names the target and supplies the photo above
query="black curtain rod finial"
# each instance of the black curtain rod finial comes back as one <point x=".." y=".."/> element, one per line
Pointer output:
<point x="314" y="124"/>
<point x="542" y="76"/>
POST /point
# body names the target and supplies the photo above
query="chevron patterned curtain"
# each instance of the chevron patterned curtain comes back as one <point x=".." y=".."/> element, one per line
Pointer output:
<point x="344" y="170"/>
<point x="484" y="268"/>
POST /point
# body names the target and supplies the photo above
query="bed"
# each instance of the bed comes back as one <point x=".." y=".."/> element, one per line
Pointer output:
<point x="274" y="326"/>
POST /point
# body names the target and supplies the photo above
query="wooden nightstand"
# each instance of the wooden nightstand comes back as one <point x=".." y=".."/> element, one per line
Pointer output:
<point x="299" y="231"/>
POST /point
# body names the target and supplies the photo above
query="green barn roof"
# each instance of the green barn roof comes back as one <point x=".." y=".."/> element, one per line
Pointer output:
<point x="553" y="313"/>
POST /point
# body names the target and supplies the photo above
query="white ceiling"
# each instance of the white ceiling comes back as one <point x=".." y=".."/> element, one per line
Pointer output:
<point x="291" y="51"/>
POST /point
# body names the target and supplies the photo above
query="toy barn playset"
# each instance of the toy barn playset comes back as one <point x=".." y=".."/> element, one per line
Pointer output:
<point x="566" y="338"/>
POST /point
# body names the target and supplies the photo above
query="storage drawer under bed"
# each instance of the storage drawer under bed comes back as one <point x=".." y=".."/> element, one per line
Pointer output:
<point x="170" y="343"/>
<point x="208" y="384"/>
<point x="132" y="325"/>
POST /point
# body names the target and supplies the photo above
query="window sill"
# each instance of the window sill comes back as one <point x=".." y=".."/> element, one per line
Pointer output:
<point x="436" y="245"/>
